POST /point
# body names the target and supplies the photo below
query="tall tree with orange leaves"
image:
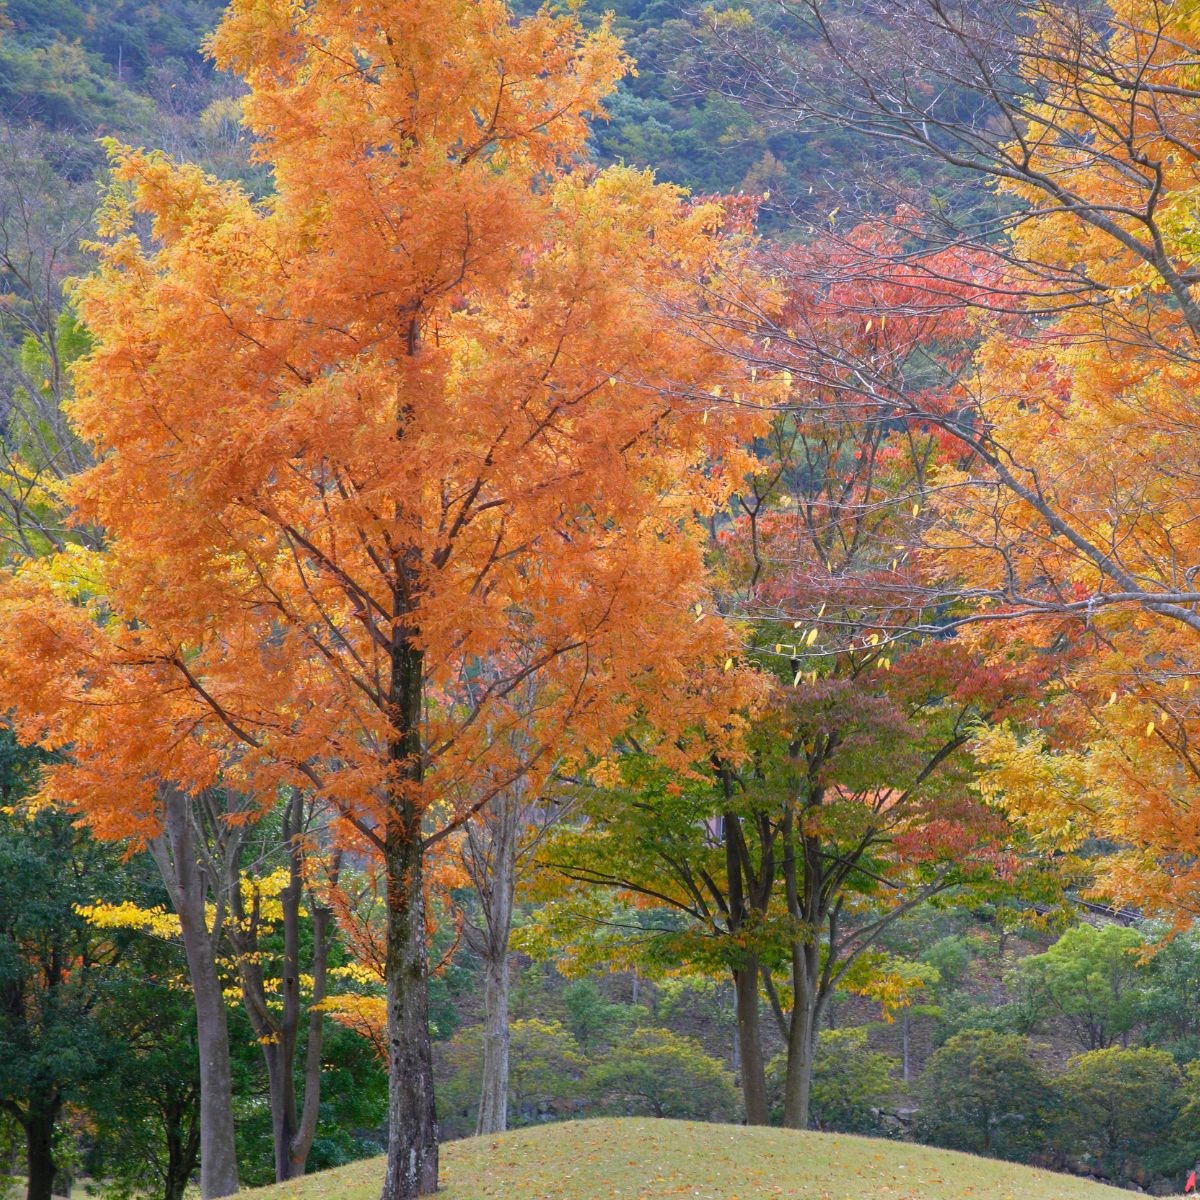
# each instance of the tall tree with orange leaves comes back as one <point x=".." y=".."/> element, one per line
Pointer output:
<point x="425" y="424"/>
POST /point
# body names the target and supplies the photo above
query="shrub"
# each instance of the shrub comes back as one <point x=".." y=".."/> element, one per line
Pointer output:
<point x="1121" y="1108"/>
<point x="544" y="1067"/>
<point x="660" y="1074"/>
<point x="850" y="1082"/>
<point x="984" y="1093"/>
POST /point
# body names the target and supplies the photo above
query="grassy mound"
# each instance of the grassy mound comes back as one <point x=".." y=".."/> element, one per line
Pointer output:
<point x="666" y="1160"/>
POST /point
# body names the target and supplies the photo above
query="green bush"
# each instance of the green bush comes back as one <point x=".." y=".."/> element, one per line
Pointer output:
<point x="850" y="1083"/>
<point x="544" y="1068"/>
<point x="660" y="1074"/>
<point x="983" y="1092"/>
<point x="1090" y="981"/>
<point x="1121" y="1109"/>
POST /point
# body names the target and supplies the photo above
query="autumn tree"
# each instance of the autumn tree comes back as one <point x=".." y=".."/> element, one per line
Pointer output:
<point x="1078" y="115"/>
<point x="855" y="803"/>
<point x="359" y="445"/>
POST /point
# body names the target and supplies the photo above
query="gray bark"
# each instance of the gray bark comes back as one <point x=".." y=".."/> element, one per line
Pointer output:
<point x="490" y="856"/>
<point x="175" y="853"/>
<point x="749" y="1043"/>
<point x="493" y="1094"/>
<point x="278" y="1030"/>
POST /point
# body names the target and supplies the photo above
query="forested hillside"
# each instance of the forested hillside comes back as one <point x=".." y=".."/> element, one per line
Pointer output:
<point x="564" y="566"/>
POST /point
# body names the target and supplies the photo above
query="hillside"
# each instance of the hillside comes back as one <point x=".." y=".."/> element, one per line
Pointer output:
<point x="649" y="1160"/>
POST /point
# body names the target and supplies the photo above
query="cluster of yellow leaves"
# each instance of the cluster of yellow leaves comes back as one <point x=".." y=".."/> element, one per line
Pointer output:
<point x="1093" y="408"/>
<point x="127" y="915"/>
<point x="366" y="1015"/>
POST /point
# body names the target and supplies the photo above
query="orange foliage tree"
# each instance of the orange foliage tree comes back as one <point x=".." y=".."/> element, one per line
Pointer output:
<point x="424" y="424"/>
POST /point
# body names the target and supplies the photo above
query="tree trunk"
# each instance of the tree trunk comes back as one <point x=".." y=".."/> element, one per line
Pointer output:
<point x="64" y="1183"/>
<point x="281" y="1066"/>
<point x="412" y="1166"/>
<point x="277" y="1027"/>
<point x="802" y="1033"/>
<point x="322" y="923"/>
<point x="493" y="1096"/>
<point x="183" y="1148"/>
<point x="39" y="1154"/>
<point x="186" y="885"/>
<point x="496" y="884"/>
<point x="798" y="1083"/>
<point x="904" y="1054"/>
<point x="749" y="1043"/>
<point x="739" y="877"/>
<point x="281" y="1088"/>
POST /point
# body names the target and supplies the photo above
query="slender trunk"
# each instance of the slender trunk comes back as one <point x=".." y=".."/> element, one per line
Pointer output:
<point x="39" y="1153"/>
<point x="281" y="1054"/>
<point x="904" y="1055"/>
<point x="746" y="968"/>
<point x="412" y="1166"/>
<point x="218" y="1151"/>
<point x="174" y="1186"/>
<point x="281" y="1088"/>
<point x="497" y="886"/>
<point x="322" y="924"/>
<point x="493" y="1097"/>
<point x="798" y="1081"/>
<point x="749" y="1043"/>
<point x="176" y="861"/>
<point x="804" y="883"/>
<point x="183" y="1148"/>
<point x="489" y="855"/>
<point x="277" y="1027"/>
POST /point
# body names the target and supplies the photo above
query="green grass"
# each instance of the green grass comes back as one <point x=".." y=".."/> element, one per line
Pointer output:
<point x="668" y="1160"/>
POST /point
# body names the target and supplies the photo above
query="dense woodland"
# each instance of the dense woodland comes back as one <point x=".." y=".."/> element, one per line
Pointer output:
<point x="560" y="564"/>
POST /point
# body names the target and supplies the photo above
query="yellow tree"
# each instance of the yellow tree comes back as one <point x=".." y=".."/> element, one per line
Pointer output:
<point x="1093" y="432"/>
<point x="428" y="422"/>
